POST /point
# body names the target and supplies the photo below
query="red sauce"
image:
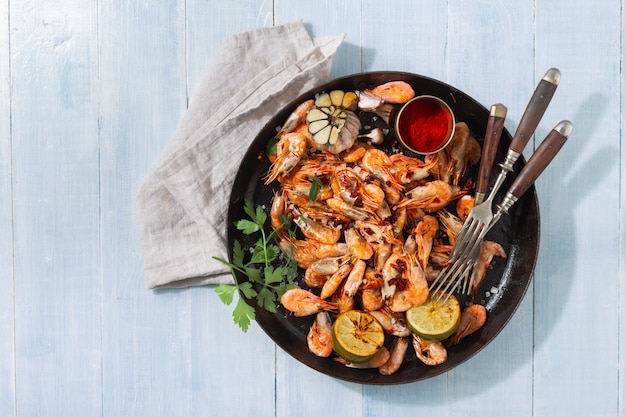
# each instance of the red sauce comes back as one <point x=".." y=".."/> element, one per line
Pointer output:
<point x="424" y="125"/>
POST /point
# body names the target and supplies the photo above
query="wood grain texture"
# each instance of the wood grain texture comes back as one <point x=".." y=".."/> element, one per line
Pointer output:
<point x="146" y="335"/>
<point x="90" y="93"/>
<point x="399" y="35"/>
<point x="577" y="295"/>
<point x="7" y="341"/>
<point x="56" y="208"/>
<point x="221" y="372"/>
<point x="621" y="387"/>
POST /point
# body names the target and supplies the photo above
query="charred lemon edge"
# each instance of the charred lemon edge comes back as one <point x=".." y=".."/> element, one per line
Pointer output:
<point x="372" y="328"/>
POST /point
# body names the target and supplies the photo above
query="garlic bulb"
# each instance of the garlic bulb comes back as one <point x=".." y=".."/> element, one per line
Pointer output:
<point x="331" y="122"/>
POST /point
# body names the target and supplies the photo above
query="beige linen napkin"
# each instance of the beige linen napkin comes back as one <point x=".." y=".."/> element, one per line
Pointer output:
<point x="183" y="204"/>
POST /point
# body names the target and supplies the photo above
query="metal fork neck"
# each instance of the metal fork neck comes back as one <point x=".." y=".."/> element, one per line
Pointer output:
<point x="509" y="161"/>
<point x="508" y="200"/>
<point x="507" y="166"/>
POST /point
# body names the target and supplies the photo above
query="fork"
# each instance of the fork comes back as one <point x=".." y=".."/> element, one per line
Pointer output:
<point x="466" y="261"/>
<point x="481" y="214"/>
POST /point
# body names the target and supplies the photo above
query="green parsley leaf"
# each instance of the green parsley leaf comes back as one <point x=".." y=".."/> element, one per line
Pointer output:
<point x="247" y="227"/>
<point x="273" y="276"/>
<point x="243" y="314"/>
<point x="266" y="282"/>
<point x="254" y="274"/>
<point x="272" y="252"/>
<point x="261" y="216"/>
<point x="267" y="299"/>
<point x="246" y="289"/>
<point x="238" y="254"/>
<point x="270" y="148"/>
<point x="226" y="293"/>
<point x="315" y="187"/>
<point x="248" y="208"/>
<point x="258" y="255"/>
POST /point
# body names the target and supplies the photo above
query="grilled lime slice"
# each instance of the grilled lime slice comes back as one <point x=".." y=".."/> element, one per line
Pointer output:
<point x="435" y="320"/>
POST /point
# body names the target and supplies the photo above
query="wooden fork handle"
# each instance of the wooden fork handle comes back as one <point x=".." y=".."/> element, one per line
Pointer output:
<point x="540" y="159"/>
<point x="493" y="133"/>
<point x="535" y="109"/>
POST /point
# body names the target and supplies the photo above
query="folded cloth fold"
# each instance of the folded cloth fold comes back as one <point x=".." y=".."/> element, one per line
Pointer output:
<point x="182" y="205"/>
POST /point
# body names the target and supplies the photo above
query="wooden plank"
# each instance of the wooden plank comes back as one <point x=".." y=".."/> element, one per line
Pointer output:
<point x="621" y="360"/>
<point x="399" y="36"/>
<point x="490" y="56"/>
<point x="56" y="208"/>
<point x="146" y="334"/>
<point x="326" y="19"/>
<point x="210" y="23"/>
<point x="7" y="343"/>
<point x="576" y="296"/>
<point x="223" y="358"/>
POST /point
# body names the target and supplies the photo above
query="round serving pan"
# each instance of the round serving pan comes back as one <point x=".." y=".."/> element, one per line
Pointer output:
<point x="505" y="284"/>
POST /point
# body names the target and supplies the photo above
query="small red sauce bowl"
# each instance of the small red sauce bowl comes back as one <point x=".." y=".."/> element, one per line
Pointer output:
<point x="425" y="125"/>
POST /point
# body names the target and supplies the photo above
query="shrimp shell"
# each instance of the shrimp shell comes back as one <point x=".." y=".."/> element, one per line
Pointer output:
<point x="473" y="317"/>
<point x="394" y="92"/>
<point x="431" y="353"/>
<point x="304" y="303"/>
<point x="396" y="356"/>
<point x="289" y="150"/>
<point x="319" y="338"/>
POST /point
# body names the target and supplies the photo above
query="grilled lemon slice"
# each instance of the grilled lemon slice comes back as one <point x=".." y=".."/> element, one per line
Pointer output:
<point x="357" y="336"/>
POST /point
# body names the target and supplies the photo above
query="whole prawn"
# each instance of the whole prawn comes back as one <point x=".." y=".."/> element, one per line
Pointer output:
<point x="319" y="338"/>
<point x="289" y="150"/>
<point x="397" y="353"/>
<point x="378" y="164"/>
<point x="424" y="234"/>
<point x="296" y="118"/>
<point x="430" y="353"/>
<point x="415" y="290"/>
<point x="473" y="317"/>
<point x="432" y="196"/>
<point x="304" y="303"/>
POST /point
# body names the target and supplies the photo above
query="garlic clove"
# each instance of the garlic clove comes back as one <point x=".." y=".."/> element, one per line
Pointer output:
<point x="323" y="100"/>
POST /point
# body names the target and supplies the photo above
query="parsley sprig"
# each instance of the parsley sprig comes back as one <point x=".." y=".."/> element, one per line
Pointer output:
<point x="267" y="279"/>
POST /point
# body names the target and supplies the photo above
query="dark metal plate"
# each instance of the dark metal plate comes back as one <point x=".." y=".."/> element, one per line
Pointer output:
<point x="505" y="284"/>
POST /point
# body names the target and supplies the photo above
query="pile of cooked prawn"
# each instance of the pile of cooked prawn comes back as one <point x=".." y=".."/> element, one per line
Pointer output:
<point x="373" y="227"/>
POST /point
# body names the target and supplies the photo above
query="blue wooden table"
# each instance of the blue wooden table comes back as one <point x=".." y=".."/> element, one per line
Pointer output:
<point x="90" y="93"/>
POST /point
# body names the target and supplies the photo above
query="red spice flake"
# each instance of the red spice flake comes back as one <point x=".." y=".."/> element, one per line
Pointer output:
<point x="399" y="266"/>
<point x="400" y="283"/>
<point x="324" y="178"/>
<point x="394" y="215"/>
